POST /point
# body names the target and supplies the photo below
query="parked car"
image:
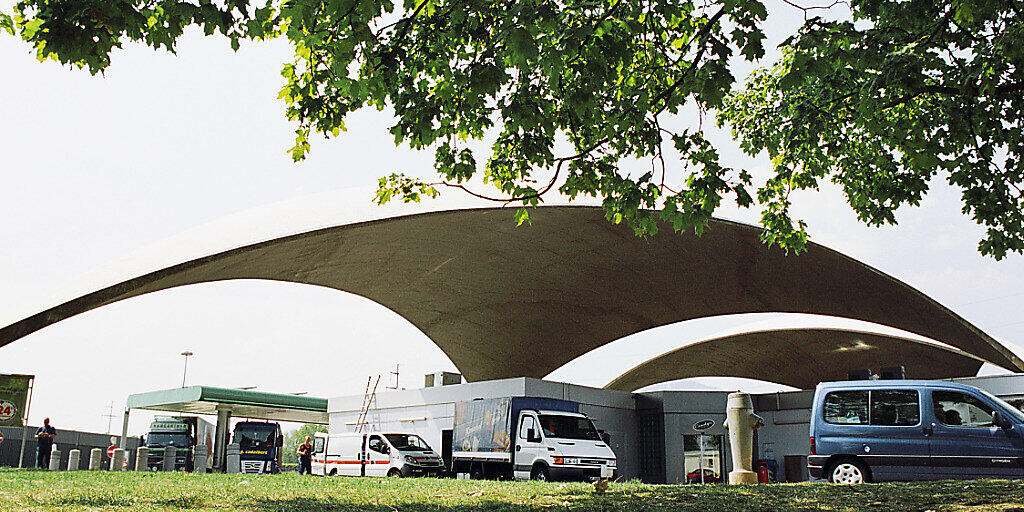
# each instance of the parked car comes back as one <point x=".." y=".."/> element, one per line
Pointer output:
<point x="881" y="430"/>
<point x="710" y="477"/>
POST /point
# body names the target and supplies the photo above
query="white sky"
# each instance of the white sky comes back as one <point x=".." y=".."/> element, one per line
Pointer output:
<point x="94" y="168"/>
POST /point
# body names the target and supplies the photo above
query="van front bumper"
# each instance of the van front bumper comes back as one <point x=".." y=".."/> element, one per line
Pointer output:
<point x="416" y="470"/>
<point x="816" y="465"/>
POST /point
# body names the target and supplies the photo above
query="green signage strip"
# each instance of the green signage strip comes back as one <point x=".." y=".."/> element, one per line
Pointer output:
<point x="13" y="399"/>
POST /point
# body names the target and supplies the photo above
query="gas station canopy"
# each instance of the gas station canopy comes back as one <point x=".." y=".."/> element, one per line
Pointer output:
<point x="241" y="403"/>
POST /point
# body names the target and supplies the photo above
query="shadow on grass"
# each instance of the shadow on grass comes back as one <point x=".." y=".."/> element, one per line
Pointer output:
<point x="187" y="501"/>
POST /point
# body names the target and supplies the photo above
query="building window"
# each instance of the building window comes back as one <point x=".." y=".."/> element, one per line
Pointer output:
<point x="702" y="453"/>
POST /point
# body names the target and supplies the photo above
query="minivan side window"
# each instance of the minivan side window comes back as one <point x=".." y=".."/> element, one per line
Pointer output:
<point x="847" y="407"/>
<point x="318" y="445"/>
<point x="956" y="409"/>
<point x="895" y="407"/>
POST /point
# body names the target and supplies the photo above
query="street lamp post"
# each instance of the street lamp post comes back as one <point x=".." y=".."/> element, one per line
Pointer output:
<point x="185" y="372"/>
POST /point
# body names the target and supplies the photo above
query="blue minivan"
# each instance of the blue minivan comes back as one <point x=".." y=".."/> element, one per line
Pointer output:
<point x="879" y="430"/>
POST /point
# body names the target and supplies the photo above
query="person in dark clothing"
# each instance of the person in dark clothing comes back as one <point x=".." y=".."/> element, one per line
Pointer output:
<point x="305" y="452"/>
<point x="44" y="444"/>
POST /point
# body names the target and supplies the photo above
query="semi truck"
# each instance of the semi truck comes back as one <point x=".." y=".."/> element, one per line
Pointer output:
<point x="528" y="438"/>
<point x="260" y="446"/>
<point x="183" y="433"/>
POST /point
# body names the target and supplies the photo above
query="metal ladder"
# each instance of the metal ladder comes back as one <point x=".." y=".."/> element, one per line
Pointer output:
<point x="369" y="401"/>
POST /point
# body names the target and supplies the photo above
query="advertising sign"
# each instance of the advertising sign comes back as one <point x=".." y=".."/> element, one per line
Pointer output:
<point x="13" y="399"/>
<point x="482" y="425"/>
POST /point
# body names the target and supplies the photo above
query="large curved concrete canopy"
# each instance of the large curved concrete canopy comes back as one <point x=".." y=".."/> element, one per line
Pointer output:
<point x="506" y="301"/>
<point x="799" y="357"/>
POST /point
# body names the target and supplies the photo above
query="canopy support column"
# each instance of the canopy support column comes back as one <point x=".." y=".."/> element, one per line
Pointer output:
<point x="220" y="444"/>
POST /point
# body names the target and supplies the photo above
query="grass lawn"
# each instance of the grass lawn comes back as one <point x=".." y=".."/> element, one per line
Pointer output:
<point x="84" y="490"/>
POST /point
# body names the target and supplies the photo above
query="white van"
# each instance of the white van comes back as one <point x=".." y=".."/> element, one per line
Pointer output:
<point x="374" y="454"/>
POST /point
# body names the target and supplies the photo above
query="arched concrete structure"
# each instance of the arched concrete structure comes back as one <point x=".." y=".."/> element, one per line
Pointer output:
<point x="798" y="357"/>
<point x="507" y="301"/>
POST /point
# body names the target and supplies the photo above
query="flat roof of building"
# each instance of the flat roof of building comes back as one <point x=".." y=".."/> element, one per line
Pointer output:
<point x="242" y="403"/>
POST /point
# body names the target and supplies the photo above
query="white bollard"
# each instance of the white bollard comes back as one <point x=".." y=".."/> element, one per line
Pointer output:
<point x="74" y="458"/>
<point x="741" y="422"/>
<point x="54" y="459"/>
<point x="199" y="462"/>
<point x="170" y="457"/>
<point x="117" y="461"/>
<point x="95" y="458"/>
<point x="142" y="459"/>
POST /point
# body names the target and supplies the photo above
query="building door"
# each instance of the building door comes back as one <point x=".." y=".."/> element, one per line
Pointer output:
<point x="702" y="453"/>
<point x="446" y="448"/>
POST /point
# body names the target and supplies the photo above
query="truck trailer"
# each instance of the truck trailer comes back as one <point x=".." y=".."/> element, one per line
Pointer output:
<point x="183" y="433"/>
<point x="528" y="438"/>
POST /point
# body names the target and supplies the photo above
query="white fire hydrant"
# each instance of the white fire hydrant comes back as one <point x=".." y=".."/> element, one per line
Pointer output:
<point x="741" y="422"/>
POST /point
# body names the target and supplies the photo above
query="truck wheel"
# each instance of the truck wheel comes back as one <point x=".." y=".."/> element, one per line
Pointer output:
<point x="847" y="471"/>
<point x="539" y="473"/>
<point x="394" y="473"/>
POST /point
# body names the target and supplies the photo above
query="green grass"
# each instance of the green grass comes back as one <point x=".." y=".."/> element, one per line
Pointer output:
<point x="22" y="490"/>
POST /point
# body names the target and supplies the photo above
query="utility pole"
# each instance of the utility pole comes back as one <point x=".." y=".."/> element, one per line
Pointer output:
<point x="109" y="415"/>
<point x="395" y="373"/>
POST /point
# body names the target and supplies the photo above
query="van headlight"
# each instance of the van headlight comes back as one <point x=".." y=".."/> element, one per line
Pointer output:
<point x="565" y="460"/>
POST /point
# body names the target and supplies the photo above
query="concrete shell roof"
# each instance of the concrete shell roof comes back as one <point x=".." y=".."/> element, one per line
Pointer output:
<point x="800" y="358"/>
<point x="506" y="301"/>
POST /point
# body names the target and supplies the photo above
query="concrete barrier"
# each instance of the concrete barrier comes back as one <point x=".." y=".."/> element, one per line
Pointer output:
<point x="74" y="459"/>
<point x="54" y="459"/>
<point x="170" y="457"/>
<point x="95" y="457"/>
<point x="234" y="459"/>
<point x="117" y="461"/>
<point x="142" y="459"/>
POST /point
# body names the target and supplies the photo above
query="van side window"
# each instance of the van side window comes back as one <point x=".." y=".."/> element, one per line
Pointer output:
<point x="895" y="407"/>
<point x="318" y="445"/>
<point x="527" y="424"/>
<point x="957" y="409"/>
<point x="847" y="407"/>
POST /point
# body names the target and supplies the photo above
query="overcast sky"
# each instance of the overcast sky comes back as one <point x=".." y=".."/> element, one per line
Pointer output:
<point x="95" y="168"/>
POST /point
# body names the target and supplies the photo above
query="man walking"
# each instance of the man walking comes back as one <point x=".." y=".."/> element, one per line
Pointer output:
<point x="305" y="452"/>
<point x="44" y="444"/>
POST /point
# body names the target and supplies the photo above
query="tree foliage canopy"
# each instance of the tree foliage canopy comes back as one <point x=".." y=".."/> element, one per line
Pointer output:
<point x="568" y="92"/>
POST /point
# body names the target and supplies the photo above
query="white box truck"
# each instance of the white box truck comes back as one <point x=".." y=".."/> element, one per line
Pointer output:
<point x="374" y="454"/>
<point x="528" y="438"/>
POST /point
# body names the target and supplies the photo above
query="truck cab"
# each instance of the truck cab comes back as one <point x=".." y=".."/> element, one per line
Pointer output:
<point x="558" y="445"/>
<point x="391" y="454"/>
<point x="259" y="445"/>
<point x="177" y="432"/>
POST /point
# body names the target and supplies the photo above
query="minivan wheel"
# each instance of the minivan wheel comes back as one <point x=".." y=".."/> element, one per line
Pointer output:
<point x="539" y="473"/>
<point x="395" y="473"/>
<point x="847" y="472"/>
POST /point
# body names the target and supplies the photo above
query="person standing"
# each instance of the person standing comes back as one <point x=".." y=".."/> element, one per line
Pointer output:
<point x="44" y="444"/>
<point x="305" y="452"/>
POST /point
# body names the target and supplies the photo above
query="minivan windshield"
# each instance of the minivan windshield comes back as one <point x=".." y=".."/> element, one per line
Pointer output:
<point x="568" y="427"/>
<point x="407" y="442"/>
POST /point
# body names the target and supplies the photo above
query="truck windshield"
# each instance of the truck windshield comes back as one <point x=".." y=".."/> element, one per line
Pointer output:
<point x="568" y="427"/>
<point x="406" y="442"/>
<point x="254" y="437"/>
<point x="167" y="439"/>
